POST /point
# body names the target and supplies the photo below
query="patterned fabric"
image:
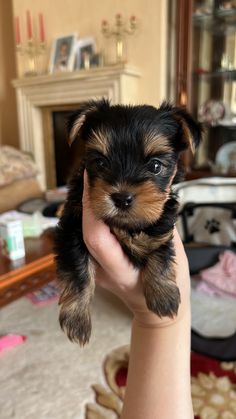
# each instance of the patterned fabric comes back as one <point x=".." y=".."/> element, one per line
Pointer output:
<point x="214" y="189"/>
<point x="220" y="279"/>
<point x="209" y="223"/>
<point x="15" y="165"/>
<point x="213" y="387"/>
<point x="208" y="208"/>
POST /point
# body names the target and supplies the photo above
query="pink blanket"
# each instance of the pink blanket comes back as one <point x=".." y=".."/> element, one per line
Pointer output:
<point x="220" y="279"/>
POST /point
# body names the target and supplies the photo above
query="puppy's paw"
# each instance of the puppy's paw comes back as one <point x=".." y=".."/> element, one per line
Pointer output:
<point x="163" y="298"/>
<point x="76" y="324"/>
<point x="74" y="317"/>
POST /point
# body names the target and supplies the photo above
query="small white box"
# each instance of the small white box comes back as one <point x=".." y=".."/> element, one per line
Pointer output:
<point x="12" y="238"/>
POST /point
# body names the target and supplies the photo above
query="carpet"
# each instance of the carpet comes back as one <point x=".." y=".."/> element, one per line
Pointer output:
<point x="213" y="387"/>
<point x="48" y="377"/>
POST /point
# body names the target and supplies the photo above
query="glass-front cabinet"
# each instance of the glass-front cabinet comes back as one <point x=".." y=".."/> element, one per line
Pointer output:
<point x="206" y="79"/>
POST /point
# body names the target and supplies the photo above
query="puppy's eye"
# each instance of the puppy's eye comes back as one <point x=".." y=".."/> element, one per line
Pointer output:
<point x="100" y="162"/>
<point x="155" y="166"/>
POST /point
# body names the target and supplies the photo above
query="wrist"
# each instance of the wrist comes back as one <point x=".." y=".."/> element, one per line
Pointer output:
<point x="147" y="319"/>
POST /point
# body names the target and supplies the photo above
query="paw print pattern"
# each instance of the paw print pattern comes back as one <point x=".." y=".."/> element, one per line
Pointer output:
<point x="213" y="226"/>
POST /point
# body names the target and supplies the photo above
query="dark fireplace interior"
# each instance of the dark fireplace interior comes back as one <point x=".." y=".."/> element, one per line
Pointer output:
<point x="66" y="158"/>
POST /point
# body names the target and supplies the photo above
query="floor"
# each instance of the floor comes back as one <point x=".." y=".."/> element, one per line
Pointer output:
<point x="48" y="377"/>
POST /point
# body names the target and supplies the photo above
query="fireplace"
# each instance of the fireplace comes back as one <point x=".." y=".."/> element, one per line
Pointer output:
<point x="62" y="152"/>
<point x="44" y="101"/>
<point x="60" y="158"/>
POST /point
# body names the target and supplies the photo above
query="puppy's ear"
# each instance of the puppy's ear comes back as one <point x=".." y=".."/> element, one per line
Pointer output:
<point x="190" y="130"/>
<point x="77" y="119"/>
<point x="75" y="126"/>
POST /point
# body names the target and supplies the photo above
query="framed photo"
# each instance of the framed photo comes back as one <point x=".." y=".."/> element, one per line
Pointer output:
<point x="85" y="53"/>
<point x="63" y="53"/>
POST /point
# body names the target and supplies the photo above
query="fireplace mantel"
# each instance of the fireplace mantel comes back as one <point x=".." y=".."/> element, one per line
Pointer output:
<point x="118" y="83"/>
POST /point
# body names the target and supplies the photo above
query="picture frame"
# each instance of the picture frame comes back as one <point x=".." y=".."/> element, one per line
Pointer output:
<point x="86" y="53"/>
<point x="63" y="53"/>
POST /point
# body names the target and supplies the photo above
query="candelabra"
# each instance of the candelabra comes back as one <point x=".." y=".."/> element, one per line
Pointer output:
<point x="118" y="31"/>
<point x="32" y="54"/>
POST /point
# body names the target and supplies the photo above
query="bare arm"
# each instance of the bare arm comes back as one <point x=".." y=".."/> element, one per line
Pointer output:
<point x="158" y="383"/>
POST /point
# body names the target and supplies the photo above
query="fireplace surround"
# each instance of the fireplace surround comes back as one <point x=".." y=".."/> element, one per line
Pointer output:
<point x="39" y="96"/>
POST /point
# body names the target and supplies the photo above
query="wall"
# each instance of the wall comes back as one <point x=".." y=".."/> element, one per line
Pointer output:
<point x="146" y="49"/>
<point x="8" y="115"/>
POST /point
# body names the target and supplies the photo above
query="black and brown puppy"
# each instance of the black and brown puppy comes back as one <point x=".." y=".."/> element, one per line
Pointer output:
<point x="132" y="159"/>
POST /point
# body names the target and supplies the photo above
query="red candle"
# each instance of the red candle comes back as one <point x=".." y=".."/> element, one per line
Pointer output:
<point x="17" y="29"/>
<point x="41" y="28"/>
<point x="29" y="25"/>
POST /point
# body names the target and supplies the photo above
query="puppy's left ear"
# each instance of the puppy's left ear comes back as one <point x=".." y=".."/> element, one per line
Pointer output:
<point x="190" y="130"/>
<point x="77" y="119"/>
<point x="74" y="124"/>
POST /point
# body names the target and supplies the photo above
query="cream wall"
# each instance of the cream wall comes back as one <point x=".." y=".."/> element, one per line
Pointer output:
<point x="146" y="49"/>
<point x="8" y="116"/>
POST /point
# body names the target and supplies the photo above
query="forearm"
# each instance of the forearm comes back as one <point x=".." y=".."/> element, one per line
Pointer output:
<point x="158" y="383"/>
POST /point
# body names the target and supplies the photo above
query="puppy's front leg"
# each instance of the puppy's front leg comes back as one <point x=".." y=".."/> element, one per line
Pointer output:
<point x="160" y="289"/>
<point x="75" y="270"/>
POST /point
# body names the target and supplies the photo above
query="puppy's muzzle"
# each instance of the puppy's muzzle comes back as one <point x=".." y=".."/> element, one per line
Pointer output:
<point x="123" y="200"/>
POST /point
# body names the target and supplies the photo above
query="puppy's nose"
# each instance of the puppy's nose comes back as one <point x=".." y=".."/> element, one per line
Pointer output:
<point x="122" y="200"/>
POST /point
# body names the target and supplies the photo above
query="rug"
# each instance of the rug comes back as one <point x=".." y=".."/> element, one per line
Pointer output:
<point x="48" y="377"/>
<point x="44" y="295"/>
<point x="213" y="387"/>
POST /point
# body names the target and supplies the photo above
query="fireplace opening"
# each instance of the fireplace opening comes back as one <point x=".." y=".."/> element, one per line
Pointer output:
<point x="61" y="159"/>
<point x="62" y="151"/>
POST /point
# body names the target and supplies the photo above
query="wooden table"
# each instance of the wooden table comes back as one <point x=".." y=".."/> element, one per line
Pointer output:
<point x="26" y="275"/>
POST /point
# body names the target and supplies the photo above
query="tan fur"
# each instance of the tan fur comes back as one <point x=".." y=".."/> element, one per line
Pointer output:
<point x="75" y="312"/>
<point x="98" y="141"/>
<point x="79" y="123"/>
<point x="100" y="199"/>
<point x="141" y="244"/>
<point x="187" y="133"/>
<point x="148" y="204"/>
<point x="149" y="201"/>
<point x="154" y="145"/>
<point x="76" y="127"/>
<point x="160" y="290"/>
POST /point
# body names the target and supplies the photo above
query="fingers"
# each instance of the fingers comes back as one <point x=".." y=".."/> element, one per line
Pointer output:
<point x="179" y="248"/>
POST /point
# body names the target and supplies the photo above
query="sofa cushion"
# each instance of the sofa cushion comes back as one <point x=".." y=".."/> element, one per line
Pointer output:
<point x="17" y="192"/>
<point x="15" y="165"/>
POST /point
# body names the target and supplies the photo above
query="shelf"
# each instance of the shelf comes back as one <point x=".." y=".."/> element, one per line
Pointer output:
<point x="217" y="125"/>
<point x="226" y="15"/>
<point x="209" y="21"/>
<point x="206" y="71"/>
<point x="226" y="74"/>
<point x="196" y="173"/>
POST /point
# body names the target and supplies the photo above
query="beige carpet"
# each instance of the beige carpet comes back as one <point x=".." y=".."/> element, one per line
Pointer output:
<point x="48" y="377"/>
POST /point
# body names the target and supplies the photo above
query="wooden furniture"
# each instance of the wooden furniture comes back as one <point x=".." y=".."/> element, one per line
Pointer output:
<point x="21" y="277"/>
<point x="205" y="75"/>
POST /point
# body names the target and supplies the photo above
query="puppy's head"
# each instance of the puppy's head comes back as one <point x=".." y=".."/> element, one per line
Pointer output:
<point x="132" y="155"/>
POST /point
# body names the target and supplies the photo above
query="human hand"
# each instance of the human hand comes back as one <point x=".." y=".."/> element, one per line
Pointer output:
<point x="116" y="273"/>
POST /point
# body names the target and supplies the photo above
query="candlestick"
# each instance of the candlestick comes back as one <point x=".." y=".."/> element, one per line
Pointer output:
<point x="29" y="25"/>
<point x="41" y="28"/>
<point x="31" y="54"/>
<point x="118" y="31"/>
<point x="17" y="30"/>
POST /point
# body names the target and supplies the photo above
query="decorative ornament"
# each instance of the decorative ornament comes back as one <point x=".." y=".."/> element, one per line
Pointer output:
<point x="119" y="31"/>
